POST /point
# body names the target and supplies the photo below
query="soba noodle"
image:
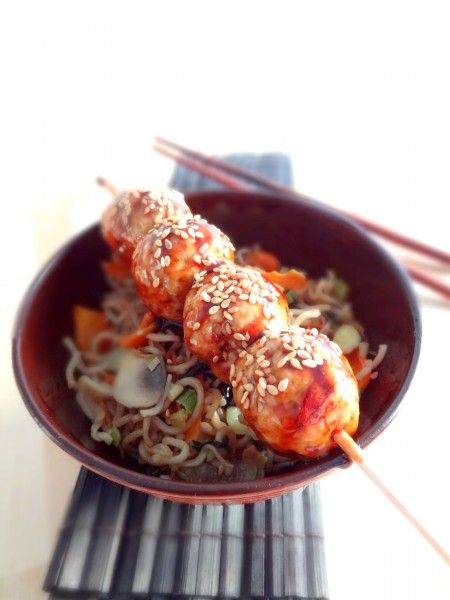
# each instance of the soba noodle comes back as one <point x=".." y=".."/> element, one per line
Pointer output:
<point x="159" y="435"/>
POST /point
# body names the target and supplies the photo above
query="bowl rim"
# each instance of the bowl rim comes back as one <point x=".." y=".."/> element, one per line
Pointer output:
<point x="181" y="490"/>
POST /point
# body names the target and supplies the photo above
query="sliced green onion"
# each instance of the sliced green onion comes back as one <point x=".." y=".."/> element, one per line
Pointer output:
<point x="341" y="289"/>
<point x="291" y="297"/>
<point x="234" y="420"/>
<point x="188" y="399"/>
<point x="174" y="391"/>
<point x="178" y="418"/>
<point x="115" y="435"/>
<point x="347" y="338"/>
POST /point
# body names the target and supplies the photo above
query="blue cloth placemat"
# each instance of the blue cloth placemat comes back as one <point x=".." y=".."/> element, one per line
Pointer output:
<point x="116" y="543"/>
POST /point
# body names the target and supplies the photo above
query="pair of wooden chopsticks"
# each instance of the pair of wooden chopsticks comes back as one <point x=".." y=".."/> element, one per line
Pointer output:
<point x="238" y="178"/>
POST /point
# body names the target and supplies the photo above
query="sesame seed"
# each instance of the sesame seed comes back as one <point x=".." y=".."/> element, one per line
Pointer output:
<point x="272" y="390"/>
<point x="309" y="363"/>
<point x="261" y="358"/>
<point x="244" y="396"/>
<point x="267" y="312"/>
<point x="246" y="404"/>
<point x="220" y="285"/>
<point x="252" y="298"/>
<point x="213" y="310"/>
<point x="318" y="358"/>
<point x="227" y="316"/>
<point x="262" y="382"/>
<point x="304" y="354"/>
<point x="283" y="385"/>
<point x="259" y="373"/>
<point x="215" y="279"/>
<point x="232" y="371"/>
<point x="157" y="253"/>
<point x="285" y="359"/>
<point x="216" y="300"/>
<point x="167" y="261"/>
<point x="295" y="363"/>
<point x="249" y="387"/>
<point x="243" y="297"/>
<point x="265" y="363"/>
<point x="197" y="259"/>
<point x="261" y="390"/>
<point x="196" y="326"/>
<point x="226" y="303"/>
<point x="234" y="384"/>
<point x="237" y="336"/>
<point x="156" y="282"/>
<point x="228" y="328"/>
<point x="191" y="232"/>
<point x="233" y="309"/>
<point x="158" y="243"/>
<point x="167" y="243"/>
<point x="205" y="296"/>
<point x="215" y="359"/>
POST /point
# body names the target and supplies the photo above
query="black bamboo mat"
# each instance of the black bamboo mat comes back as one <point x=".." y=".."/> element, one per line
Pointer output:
<point x="117" y="544"/>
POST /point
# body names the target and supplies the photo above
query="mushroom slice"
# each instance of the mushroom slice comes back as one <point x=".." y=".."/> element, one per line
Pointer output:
<point x="140" y="381"/>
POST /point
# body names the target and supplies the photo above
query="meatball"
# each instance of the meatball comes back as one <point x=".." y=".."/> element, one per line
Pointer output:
<point x="132" y="214"/>
<point x="168" y="257"/>
<point x="226" y="310"/>
<point x="296" y="390"/>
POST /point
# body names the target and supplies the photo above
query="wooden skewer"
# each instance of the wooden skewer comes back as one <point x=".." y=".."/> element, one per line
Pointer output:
<point x="102" y="182"/>
<point x="354" y="452"/>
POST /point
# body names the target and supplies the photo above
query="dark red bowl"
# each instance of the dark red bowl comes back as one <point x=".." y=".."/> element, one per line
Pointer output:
<point x="303" y="234"/>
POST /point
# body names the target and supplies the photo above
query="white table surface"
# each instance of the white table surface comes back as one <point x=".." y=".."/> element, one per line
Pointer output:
<point x="358" y="95"/>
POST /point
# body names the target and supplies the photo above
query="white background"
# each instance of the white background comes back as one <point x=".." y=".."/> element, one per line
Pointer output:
<point x="357" y="93"/>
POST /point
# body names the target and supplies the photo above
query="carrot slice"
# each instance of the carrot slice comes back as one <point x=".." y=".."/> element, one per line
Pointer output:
<point x="139" y="337"/>
<point x="291" y="280"/>
<point x="107" y="377"/>
<point x="88" y="323"/>
<point x="262" y="259"/>
<point x="116" y="269"/>
<point x="357" y="362"/>
<point x="193" y="431"/>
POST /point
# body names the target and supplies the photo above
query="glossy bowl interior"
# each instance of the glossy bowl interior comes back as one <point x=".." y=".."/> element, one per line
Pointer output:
<point x="301" y="234"/>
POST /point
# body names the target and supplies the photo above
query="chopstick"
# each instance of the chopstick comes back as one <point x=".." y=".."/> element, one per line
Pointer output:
<point x="163" y="145"/>
<point x="231" y="182"/>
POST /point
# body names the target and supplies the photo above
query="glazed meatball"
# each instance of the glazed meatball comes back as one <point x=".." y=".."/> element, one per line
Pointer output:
<point x="169" y="256"/>
<point x="132" y="214"/>
<point x="226" y="310"/>
<point x="296" y="390"/>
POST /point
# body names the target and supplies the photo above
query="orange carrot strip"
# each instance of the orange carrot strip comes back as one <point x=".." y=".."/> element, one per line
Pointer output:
<point x="135" y="340"/>
<point x="139" y="337"/>
<point x="107" y="377"/>
<point x="193" y="431"/>
<point x="357" y="363"/>
<point x="291" y="280"/>
<point x="88" y="323"/>
<point x="116" y="269"/>
<point x="262" y="259"/>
